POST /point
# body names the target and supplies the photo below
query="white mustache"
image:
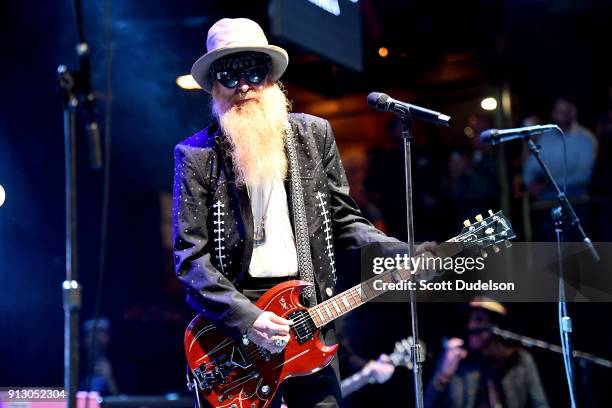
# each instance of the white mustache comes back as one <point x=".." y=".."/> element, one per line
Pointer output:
<point x="247" y="95"/>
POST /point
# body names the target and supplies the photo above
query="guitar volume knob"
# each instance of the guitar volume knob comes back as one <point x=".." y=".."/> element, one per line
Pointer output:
<point x="265" y="389"/>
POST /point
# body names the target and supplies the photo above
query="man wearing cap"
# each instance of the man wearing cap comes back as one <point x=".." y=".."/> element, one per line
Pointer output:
<point x="260" y="197"/>
<point x="486" y="372"/>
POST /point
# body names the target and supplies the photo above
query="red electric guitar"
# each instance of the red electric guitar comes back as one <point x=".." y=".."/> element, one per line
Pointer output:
<point x="239" y="374"/>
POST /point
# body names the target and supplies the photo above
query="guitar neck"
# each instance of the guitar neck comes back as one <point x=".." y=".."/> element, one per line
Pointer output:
<point x="353" y="383"/>
<point x="362" y="293"/>
<point x="360" y="379"/>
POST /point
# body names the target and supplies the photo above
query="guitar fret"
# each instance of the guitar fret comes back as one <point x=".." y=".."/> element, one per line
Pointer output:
<point x="355" y="297"/>
<point x="349" y="298"/>
<point x="367" y="290"/>
<point x="359" y="295"/>
<point x="363" y="292"/>
<point x="346" y="303"/>
<point x="315" y="318"/>
<point x="327" y="310"/>
<point x="337" y="308"/>
<point x="320" y="315"/>
<point x="341" y="305"/>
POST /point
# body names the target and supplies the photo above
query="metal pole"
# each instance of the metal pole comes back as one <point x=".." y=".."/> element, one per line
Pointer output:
<point x="416" y="354"/>
<point x="76" y="91"/>
<point x="71" y="291"/>
<point x="564" y="211"/>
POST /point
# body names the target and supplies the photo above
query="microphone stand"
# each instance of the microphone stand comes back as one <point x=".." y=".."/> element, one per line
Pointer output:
<point x="76" y="91"/>
<point x="532" y="342"/>
<point x="71" y="290"/>
<point x="564" y="211"/>
<point x="585" y="360"/>
<point x="417" y="355"/>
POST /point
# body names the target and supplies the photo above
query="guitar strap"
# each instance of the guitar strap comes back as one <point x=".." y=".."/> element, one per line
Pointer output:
<point x="305" y="268"/>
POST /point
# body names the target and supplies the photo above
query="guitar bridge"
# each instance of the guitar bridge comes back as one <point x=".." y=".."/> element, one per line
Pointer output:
<point x="219" y="368"/>
<point x="204" y="378"/>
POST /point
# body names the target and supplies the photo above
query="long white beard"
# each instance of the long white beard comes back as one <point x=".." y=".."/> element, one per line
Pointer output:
<point x="256" y="131"/>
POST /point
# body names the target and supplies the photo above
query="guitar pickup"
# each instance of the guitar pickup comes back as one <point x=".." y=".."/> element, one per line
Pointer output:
<point x="303" y="326"/>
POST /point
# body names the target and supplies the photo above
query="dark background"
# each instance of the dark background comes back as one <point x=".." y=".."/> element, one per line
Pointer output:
<point x="443" y="54"/>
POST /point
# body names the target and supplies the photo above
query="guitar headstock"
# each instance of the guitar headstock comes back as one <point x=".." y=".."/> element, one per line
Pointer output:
<point x="401" y="355"/>
<point x="485" y="233"/>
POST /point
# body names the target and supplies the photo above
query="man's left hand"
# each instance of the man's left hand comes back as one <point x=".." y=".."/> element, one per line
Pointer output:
<point x="427" y="249"/>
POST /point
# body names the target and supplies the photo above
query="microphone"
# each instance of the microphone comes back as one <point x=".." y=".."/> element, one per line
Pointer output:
<point x="384" y="103"/>
<point x="496" y="136"/>
<point x="89" y="102"/>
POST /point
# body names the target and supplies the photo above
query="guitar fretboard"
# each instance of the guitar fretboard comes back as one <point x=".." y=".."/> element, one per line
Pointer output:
<point x="348" y="300"/>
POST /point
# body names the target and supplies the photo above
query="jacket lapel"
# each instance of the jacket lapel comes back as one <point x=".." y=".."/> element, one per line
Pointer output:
<point x="237" y="194"/>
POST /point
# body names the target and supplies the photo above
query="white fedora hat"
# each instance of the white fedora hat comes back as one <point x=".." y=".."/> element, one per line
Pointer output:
<point x="232" y="35"/>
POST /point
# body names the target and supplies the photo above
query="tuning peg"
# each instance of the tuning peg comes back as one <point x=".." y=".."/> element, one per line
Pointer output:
<point x="467" y="223"/>
<point x="495" y="248"/>
<point x="484" y="253"/>
<point x="491" y="213"/>
<point x="479" y="218"/>
<point x="507" y="244"/>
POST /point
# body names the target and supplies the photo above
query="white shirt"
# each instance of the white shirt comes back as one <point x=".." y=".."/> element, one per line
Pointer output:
<point x="277" y="257"/>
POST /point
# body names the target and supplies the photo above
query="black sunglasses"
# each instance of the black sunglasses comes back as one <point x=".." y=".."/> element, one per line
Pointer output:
<point x="254" y="75"/>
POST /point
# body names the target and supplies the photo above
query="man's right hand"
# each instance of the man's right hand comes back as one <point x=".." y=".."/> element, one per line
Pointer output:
<point x="454" y="354"/>
<point x="380" y="370"/>
<point x="267" y="329"/>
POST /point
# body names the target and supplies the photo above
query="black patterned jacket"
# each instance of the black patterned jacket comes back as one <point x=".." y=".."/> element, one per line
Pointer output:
<point x="213" y="222"/>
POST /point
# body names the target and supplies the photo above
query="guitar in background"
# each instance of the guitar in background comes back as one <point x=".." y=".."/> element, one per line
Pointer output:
<point x="377" y="372"/>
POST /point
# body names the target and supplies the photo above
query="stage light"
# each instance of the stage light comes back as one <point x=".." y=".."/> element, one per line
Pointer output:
<point x="72" y="284"/>
<point x="488" y="104"/>
<point x="187" y="82"/>
<point x="469" y="132"/>
<point x="383" y="52"/>
<point x="2" y="195"/>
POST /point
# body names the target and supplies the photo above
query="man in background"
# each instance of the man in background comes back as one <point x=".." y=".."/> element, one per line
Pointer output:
<point x="581" y="147"/>
<point x="482" y="371"/>
<point x="99" y="372"/>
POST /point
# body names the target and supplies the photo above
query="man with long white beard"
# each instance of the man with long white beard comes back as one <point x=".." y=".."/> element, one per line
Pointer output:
<point x="260" y="197"/>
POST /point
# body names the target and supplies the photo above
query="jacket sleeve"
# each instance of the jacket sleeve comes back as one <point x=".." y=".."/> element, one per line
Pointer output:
<point x="351" y="229"/>
<point x="537" y="397"/>
<point x="437" y="395"/>
<point x="208" y="291"/>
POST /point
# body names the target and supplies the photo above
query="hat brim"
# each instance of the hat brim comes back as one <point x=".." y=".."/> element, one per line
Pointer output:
<point x="200" y="69"/>
<point x="488" y="304"/>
